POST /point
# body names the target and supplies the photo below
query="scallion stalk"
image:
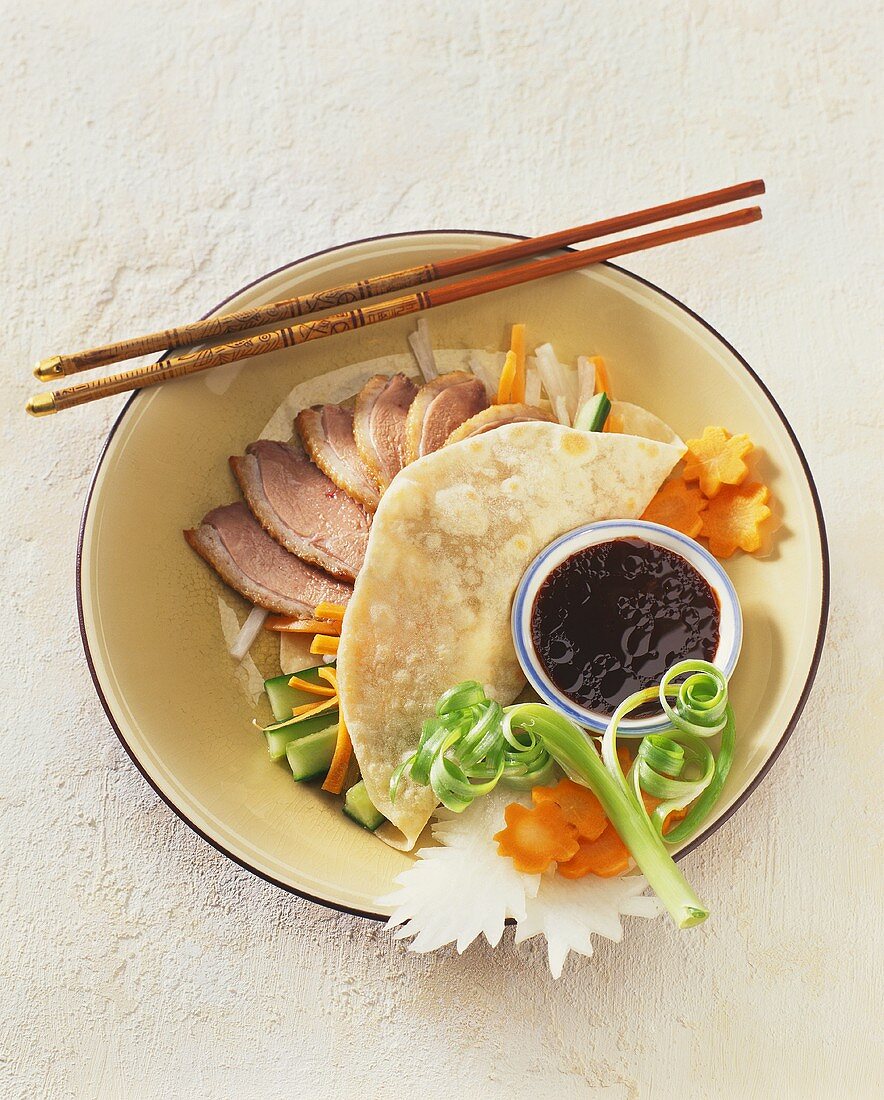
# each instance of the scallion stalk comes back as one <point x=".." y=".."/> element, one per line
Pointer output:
<point x="572" y="749"/>
<point x="472" y="744"/>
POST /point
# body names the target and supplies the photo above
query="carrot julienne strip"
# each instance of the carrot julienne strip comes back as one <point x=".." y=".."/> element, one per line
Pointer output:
<point x="517" y="346"/>
<point x="324" y="645"/>
<point x="330" y="676"/>
<point x="333" y="612"/>
<point x="337" y="772"/>
<point x="308" y="708"/>
<point x="507" y="377"/>
<point x="311" y="688"/>
<point x="284" y="625"/>
<point x="602" y="381"/>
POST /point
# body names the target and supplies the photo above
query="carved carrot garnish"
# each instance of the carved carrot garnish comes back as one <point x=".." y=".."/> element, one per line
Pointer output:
<point x="716" y="459"/>
<point x="534" y="839"/>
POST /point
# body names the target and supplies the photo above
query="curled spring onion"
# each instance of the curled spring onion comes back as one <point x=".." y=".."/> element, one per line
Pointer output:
<point x="697" y="709"/>
<point x="468" y="748"/>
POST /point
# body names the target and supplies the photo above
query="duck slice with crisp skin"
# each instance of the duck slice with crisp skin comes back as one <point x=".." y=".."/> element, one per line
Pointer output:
<point x="244" y="556"/>
<point x="379" y="424"/>
<point x="327" y="434"/>
<point x="495" y="417"/>
<point x="439" y="407"/>
<point x="301" y="508"/>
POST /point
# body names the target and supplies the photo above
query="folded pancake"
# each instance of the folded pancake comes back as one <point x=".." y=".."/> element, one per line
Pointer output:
<point x="450" y="541"/>
<point x="629" y="419"/>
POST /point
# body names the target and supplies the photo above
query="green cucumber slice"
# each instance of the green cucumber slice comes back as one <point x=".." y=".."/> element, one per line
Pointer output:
<point x="360" y="808"/>
<point x="278" y="739"/>
<point x="284" y="699"/>
<point x="594" y="413"/>
<point x="311" y="755"/>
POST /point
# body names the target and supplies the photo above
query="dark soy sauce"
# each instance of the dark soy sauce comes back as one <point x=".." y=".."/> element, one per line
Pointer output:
<point x="612" y="618"/>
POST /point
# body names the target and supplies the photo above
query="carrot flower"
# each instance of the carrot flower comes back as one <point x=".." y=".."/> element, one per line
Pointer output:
<point x="678" y="506"/>
<point x="716" y="459"/>
<point x="578" y="805"/>
<point x="734" y="517"/>
<point x="535" y="838"/>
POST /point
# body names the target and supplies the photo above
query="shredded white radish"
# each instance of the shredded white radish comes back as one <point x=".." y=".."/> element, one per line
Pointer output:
<point x="561" y="411"/>
<point x="532" y="383"/>
<point x="488" y="374"/>
<point x="585" y="382"/>
<point x="249" y="631"/>
<point x="423" y="350"/>
<point x="549" y="376"/>
<point x="558" y="379"/>
<point x="418" y="348"/>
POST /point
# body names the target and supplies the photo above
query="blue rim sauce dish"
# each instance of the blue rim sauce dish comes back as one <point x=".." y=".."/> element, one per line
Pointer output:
<point x="723" y="650"/>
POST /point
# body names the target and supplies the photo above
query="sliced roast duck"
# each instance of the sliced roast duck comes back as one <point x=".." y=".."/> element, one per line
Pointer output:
<point x="379" y="424"/>
<point x="301" y="508"/>
<point x="242" y="553"/>
<point x="326" y="432"/>
<point x="439" y="407"/>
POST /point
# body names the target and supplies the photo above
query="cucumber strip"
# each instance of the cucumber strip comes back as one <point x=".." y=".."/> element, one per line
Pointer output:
<point x="311" y="755"/>
<point x="283" y="699"/>
<point x="594" y="413"/>
<point x="328" y="710"/>
<point x="278" y="739"/>
<point x="359" y="807"/>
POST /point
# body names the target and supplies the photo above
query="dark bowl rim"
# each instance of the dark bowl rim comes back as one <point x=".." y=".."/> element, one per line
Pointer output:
<point x="824" y="549"/>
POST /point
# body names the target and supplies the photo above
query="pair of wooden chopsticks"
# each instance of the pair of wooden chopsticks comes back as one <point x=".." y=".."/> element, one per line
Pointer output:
<point x="178" y="366"/>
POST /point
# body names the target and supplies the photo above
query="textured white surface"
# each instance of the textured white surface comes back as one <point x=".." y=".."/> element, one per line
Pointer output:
<point x="154" y="158"/>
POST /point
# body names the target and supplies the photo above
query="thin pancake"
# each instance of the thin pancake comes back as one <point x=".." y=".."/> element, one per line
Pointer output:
<point x="628" y="419"/>
<point x="450" y="541"/>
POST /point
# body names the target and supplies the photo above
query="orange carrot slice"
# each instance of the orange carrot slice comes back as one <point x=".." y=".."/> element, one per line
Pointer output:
<point x="284" y="625"/>
<point x="678" y="506"/>
<point x="602" y="380"/>
<point x="311" y="688"/>
<point x="578" y="804"/>
<point x="337" y="771"/>
<point x="534" y="839"/>
<point x="334" y="612"/>
<point x="606" y="856"/>
<point x="324" y="645"/>
<point x="716" y="459"/>
<point x="732" y="519"/>
<point x="517" y="346"/>
<point x="507" y="377"/>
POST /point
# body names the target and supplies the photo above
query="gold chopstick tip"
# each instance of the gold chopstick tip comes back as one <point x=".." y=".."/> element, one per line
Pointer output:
<point x="50" y="368"/>
<point x="41" y="404"/>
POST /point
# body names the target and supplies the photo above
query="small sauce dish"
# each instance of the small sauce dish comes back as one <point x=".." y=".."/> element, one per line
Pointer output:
<point x="618" y="600"/>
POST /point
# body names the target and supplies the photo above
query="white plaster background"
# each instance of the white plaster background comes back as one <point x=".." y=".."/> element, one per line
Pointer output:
<point x="154" y="157"/>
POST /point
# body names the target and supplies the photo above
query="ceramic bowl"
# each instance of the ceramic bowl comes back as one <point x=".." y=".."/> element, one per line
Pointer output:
<point x="150" y="611"/>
